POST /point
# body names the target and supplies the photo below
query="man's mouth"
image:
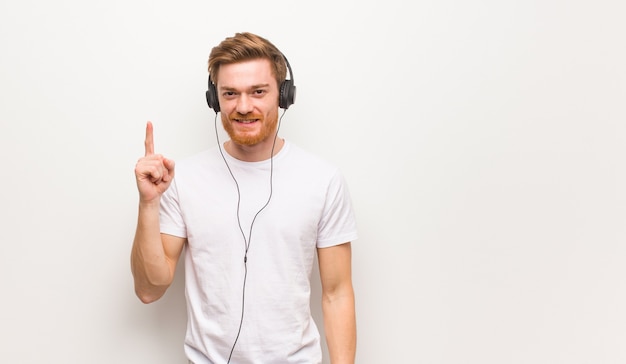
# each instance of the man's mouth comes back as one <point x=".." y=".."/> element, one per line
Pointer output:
<point x="246" y="121"/>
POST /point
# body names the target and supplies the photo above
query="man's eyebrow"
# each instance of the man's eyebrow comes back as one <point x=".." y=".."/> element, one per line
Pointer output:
<point x="253" y="87"/>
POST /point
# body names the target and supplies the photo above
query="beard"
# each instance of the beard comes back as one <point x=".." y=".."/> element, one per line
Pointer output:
<point x="252" y="137"/>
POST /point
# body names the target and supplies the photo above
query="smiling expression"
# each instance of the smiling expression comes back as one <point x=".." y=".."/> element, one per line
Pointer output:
<point x="248" y="97"/>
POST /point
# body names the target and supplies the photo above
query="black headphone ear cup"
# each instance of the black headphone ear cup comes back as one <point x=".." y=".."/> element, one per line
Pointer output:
<point x="287" y="94"/>
<point x="211" y="97"/>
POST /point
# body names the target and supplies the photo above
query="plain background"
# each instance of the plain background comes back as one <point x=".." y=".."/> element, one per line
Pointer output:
<point x="483" y="143"/>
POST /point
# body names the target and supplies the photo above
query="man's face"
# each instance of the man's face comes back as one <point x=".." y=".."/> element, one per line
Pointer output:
<point x="248" y="97"/>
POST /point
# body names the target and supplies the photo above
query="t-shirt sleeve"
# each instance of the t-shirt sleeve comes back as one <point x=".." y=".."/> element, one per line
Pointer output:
<point x="338" y="222"/>
<point x="170" y="216"/>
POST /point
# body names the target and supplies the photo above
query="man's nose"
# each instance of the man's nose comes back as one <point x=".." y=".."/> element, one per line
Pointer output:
<point x="244" y="104"/>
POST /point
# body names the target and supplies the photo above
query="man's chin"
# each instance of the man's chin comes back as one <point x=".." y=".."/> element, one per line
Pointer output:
<point x="247" y="140"/>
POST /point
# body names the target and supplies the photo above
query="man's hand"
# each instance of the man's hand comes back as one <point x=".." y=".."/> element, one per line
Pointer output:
<point x="153" y="172"/>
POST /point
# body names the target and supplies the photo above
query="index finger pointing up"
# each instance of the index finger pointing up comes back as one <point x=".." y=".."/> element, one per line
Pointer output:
<point x="149" y="143"/>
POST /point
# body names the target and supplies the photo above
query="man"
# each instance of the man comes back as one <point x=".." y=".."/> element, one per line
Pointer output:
<point x="251" y="218"/>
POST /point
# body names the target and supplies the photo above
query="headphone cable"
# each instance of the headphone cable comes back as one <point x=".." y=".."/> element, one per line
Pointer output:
<point x="247" y="240"/>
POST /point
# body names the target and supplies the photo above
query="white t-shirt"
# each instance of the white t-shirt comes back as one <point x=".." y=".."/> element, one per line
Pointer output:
<point x="309" y="208"/>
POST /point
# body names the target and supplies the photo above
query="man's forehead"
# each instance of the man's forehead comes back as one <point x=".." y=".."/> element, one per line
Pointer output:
<point x="246" y="74"/>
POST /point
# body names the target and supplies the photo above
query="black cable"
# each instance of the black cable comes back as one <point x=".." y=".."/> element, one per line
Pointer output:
<point x="248" y="240"/>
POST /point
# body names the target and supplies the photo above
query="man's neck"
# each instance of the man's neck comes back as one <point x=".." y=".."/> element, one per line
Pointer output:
<point x="254" y="153"/>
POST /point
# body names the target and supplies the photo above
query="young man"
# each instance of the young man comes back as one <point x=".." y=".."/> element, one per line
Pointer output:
<point x="251" y="215"/>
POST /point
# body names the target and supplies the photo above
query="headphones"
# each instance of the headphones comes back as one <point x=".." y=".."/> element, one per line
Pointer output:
<point x="286" y="98"/>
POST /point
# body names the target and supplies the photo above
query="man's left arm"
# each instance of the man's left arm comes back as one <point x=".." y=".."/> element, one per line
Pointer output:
<point x="335" y="265"/>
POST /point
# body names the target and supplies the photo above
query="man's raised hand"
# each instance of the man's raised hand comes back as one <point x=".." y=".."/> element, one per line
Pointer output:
<point x="153" y="172"/>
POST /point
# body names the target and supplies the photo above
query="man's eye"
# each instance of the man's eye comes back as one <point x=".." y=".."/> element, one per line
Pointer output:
<point x="259" y="92"/>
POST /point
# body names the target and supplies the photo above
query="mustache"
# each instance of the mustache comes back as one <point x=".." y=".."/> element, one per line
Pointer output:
<point x="236" y="115"/>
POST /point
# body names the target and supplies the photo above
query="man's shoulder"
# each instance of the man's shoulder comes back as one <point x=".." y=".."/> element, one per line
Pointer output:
<point x="198" y="164"/>
<point x="205" y="156"/>
<point x="308" y="158"/>
<point x="310" y="166"/>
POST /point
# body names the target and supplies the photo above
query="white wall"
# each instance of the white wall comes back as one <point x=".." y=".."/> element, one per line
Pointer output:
<point x="483" y="142"/>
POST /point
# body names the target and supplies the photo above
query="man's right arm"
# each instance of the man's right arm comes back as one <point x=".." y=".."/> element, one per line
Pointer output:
<point x="154" y="255"/>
